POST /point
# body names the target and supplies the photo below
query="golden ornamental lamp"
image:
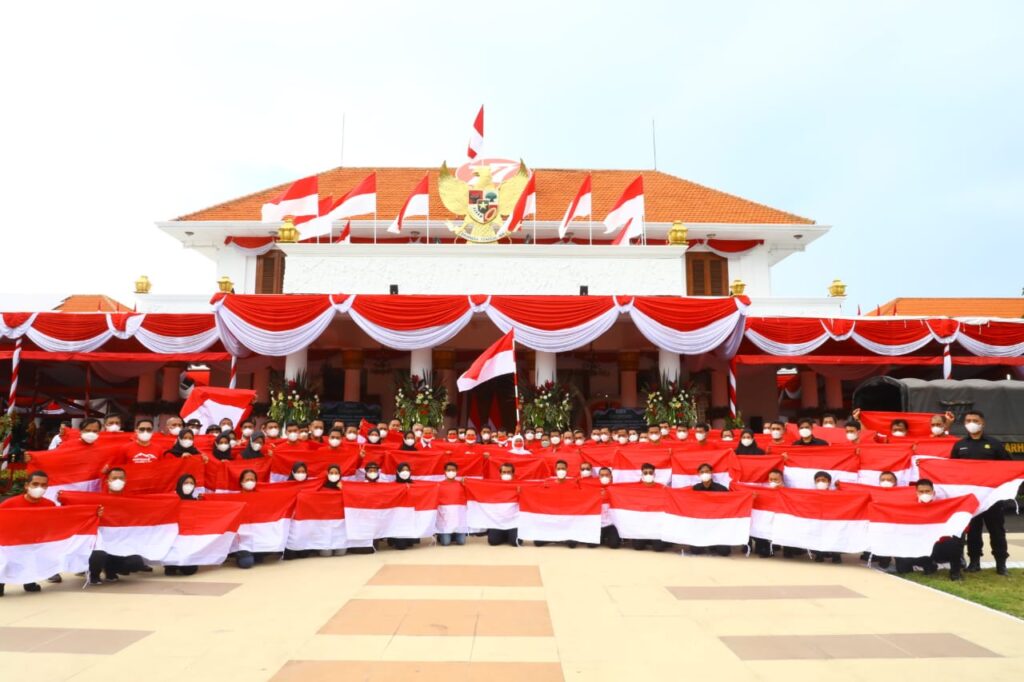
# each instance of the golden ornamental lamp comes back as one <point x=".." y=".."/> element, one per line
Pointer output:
<point x="837" y="289"/>
<point x="225" y="284"/>
<point x="677" y="235"/>
<point x="737" y="287"/>
<point x="288" y="233"/>
<point x="142" y="285"/>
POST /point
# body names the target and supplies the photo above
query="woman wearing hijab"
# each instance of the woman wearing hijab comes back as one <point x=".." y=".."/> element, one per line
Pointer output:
<point x="403" y="474"/>
<point x="186" y="489"/>
<point x="185" y="445"/>
<point x="408" y="441"/>
<point x="254" y="448"/>
<point x="245" y="558"/>
<point x="222" y="446"/>
<point x="747" y="444"/>
<point x="299" y="473"/>
<point x="333" y="477"/>
<point x="373" y="437"/>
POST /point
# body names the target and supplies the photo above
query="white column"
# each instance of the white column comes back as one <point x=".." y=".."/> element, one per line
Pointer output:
<point x="545" y="367"/>
<point x="421" y="362"/>
<point x="668" y="365"/>
<point x="295" y="364"/>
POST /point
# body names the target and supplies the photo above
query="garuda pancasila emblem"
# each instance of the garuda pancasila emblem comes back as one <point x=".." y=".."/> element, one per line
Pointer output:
<point x="483" y="204"/>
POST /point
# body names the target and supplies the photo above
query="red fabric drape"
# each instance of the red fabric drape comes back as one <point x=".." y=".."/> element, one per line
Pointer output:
<point x="249" y="242"/>
<point x="552" y="313"/>
<point x="686" y="314"/>
<point x="71" y="327"/>
<point x="993" y="333"/>
<point x="278" y="313"/>
<point x="410" y="312"/>
<point x="16" y="319"/>
<point x="788" y="330"/>
<point x="728" y="245"/>
<point x="171" y="324"/>
<point x="892" y="332"/>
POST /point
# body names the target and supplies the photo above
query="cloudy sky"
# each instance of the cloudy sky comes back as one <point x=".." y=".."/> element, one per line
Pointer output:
<point x="900" y="124"/>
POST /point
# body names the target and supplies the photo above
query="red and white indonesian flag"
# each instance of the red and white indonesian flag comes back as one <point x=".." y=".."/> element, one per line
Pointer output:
<point x="910" y="529"/>
<point x="38" y="543"/>
<point x="704" y="519"/>
<point x="841" y="463"/>
<point x="317" y="461"/>
<point x="492" y="504"/>
<point x="918" y="423"/>
<point x="579" y="208"/>
<point x="300" y="199"/>
<point x="526" y="205"/>
<point x="560" y="511"/>
<point x="451" y="508"/>
<point x="222" y="476"/>
<point x="754" y="469"/>
<point x="822" y="520"/>
<point x="358" y="201"/>
<point x="476" y="136"/>
<point x="724" y="466"/>
<point x="418" y="204"/>
<point x="628" y="213"/>
<point x="162" y="475"/>
<point x="206" y="532"/>
<point x="76" y="466"/>
<point x="266" y="520"/>
<point x="529" y="467"/>
<point x="874" y="459"/>
<point x="497" y="360"/>
<point x="319" y="522"/>
<point x="767" y="503"/>
<point x="637" y="510"/>
<point x="209" y="405"/>
<point x="146" y="526"/>
<point x="628" y="462"/>
<point x="390" y="510"/>
<point x="428" y="465"/>
<point x="988" y="480"/>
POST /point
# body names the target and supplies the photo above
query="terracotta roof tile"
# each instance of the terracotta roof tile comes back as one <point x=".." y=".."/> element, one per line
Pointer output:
<point x="667" y="197"/>
<point x="954" y="307"/>
<point x="91" y="304"/>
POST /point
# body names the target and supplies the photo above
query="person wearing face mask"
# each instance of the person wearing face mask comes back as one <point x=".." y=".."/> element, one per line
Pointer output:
<point x="451" y="437"/>
<point x="887" y="479"/>
<point x="335" y="439"/>
<point x="653" y="434"/>
<point x="682" y="432"/>
<point x="728" y="435"/>
<point x="763" y="546"/>
<point x="748" y="446"/>
<point x="245" y="558"/>
<point x="554" y="440"/>
<point x="500" y="536"/>
<point x="586" y="470"/>
<point x="112" y="424"/>
<point x="947" y="550"/>
<point x="33" y="498"/>
<point x="562" y="471"/>
<point x="633" y="436"/>
<point x="898" y="428"/>
<point x="351" y="434"/>
<point x="777" y="430"/>
<point x="977" y="446"/>
<point x="501" y="438"/>
<point x="112" y="566"/>
<point x="853" y="431"/>
<point x="517" y="446"/>
<point x="806" y="433"/>
<point x="828" y="421"/>
<point x="291" y="434"/>
<point x="470" y="437"/>
<point x="403" y="474"/>
<point x="451" y="471"/>
<point x="333" y="480"/>
<point x="222" y="446"/>
<point x="609" y="533"/>
<point x="272" y="430"/>
<point x="141" y="449"/>
<point x="254" y="448"/>
<point x="371" y="472"/>
<point x="647" y="480"/>
<point x="89" y="431"/>
<point x="173" y="426"/>
<point x="700" y="433"/>
<point x="185" y="488"/>
<point x="823" y="482"/>
<point x="373" y="437"/>
<point x="708" y="484"/>
<point x="225" y="425"/>
<point x="485" y="436"/>
<point x="938" y="426"/>
<point x="316" y="431"/>
<point x="408" y="442"/>
<point x="664" y="429"/>
<point x="426" y="438"/>
<point x="245" y="431"/>
<point x="299" y="473"/>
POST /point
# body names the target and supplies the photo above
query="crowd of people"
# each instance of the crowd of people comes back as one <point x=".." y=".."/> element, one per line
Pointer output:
<point x="249" y="440"/>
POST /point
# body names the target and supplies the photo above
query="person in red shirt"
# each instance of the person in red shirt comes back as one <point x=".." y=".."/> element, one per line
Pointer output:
<point x="141" y="449"/>
<point x="35" y="488"/>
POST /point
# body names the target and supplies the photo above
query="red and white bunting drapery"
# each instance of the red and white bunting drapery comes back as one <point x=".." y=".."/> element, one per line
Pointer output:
<point x="251" y="246"/>
<point x="164" y="333"/>
<point x="279" y="325"/>
<point x="794" y="336"/>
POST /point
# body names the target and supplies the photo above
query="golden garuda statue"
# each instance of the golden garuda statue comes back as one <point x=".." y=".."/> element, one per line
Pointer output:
<point x="483" y="204"/>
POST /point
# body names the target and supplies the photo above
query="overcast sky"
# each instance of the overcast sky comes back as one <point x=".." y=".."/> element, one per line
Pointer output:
<point x="898" y="123"/>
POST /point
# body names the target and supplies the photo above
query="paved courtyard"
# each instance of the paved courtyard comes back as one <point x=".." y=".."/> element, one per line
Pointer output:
<point x="503" y="613"/>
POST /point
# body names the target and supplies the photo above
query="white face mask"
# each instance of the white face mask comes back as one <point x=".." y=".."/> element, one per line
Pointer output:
<point x="647" y="478"/>
<point x="774" y="484"/>
<point x="700" y="436"/>
<point x="273" y="433"/>
<point x="292" y="436"/>
<point x="174" y="430"/>
<point x="828" y="426"/>
<point x="605" y="480"/>
<point x="747" y="441"/>
<point x="851" y="435"/>
<point x="560" y="473"/>
<point x="256" y="447"/>
<point x="555" y="440"/>
<point x="925" y="497"/>
<point x="972" y="427"/>
<point x="223" y="447"/>
<point x="299" y="475"/>
<point x="418" y="432"/>
<point x="351" y="436"/>
<point x="528" y="436"/>
<point x="144" y="436"/>
<point x="485" y="437"/>
<point x="248" y="484"/>
<point x="506" y="477"/>
<point x="579" y="441"/>
<point x="776" y="434"/>
<point x="116" y="485"/>
<point x="188" y="488"/>
<point x="682" y="434"/>
<point x="334" y="442"/>
<point x="596" y="437"/>
<point x="664" y="431"/>
<point x="821" y="485"/>
<point x="113" y="428"/>
<point x="404" y="475"/>
<point x="35" y="492"/>
<point x="372" y="475"/>
<point x="246" y="432"/>
<point x="374" y="439"/>
<point x="224" y="428"/>
<point x="654" y="437"/>
<point x="449" y="474"/>
<point x="333" y="478"/>
<point x="633" y="438"/>
<point x="233" y="442"/>
<point x="622" y="440"/>
<point x="605" y="438"/>
<point x="187" y="443"/>
<point x="766" y="431"/>
<point x="705" y="477"/>
<point x="545" y="443"/>
<point x="938" y="430"/>
<point x="409" y="441"/>
<point x="89" y="437"/>
<point x="317" y="433"/>
<point x="585" y="473"/>
<point x="804" y="432"/>
<point x="727" y="436"/>
<point x="886" y="484"/>
<point x="899" y="434"/>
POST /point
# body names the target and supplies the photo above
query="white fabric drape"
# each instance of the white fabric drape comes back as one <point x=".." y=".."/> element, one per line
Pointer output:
<point x="701" y="340"/>
<point x="427" y="337"/>
<point x="558" y="340"/>
<point x="239" y="336"/>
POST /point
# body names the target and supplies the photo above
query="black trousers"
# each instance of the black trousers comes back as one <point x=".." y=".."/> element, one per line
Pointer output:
<point x="950" y="551"/>
<point x="610" y="537"/>
<point x="496" y="536"/>
<point x="995" y="522"/>
<point x="111" y="565"/>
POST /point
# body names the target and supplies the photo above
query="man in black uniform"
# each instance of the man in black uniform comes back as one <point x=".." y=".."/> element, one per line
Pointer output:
<point x="979" y="446"/>
<point x="807" y="437"/>
<point x="948" y="549"/>
<point x="708" y="484"/>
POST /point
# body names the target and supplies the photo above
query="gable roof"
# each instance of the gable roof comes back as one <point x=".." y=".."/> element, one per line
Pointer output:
<point x="80" y="303"/>
<point x="667" y="198"/>
<point x="954" y="307"/>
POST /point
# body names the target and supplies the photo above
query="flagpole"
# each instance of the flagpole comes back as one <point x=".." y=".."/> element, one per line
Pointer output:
<point x="515" y="380"/>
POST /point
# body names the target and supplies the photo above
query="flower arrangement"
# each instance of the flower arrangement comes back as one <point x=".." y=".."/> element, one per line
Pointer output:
<point x="548" y="406"/>
<point x="293" y="401"/>
<point x="671" y="402"/>
<point x="419" y="399"/>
